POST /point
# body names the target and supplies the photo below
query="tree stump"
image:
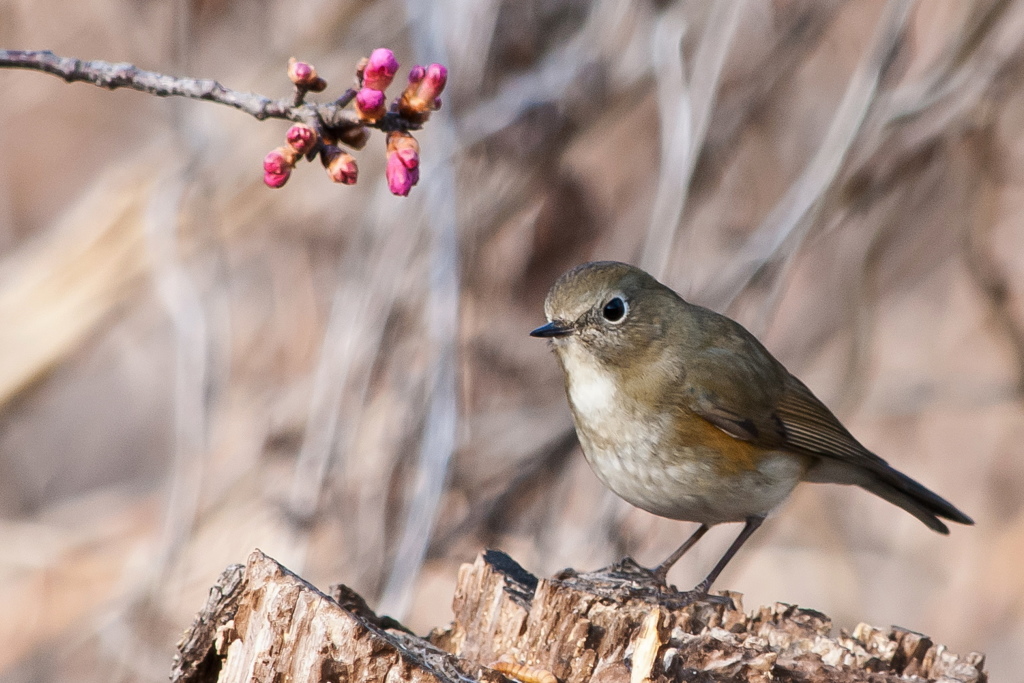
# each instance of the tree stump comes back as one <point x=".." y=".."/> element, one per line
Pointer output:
<point x="263" y="623"/>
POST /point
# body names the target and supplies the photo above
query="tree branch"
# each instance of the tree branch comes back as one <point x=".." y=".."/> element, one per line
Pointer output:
<point x="319" y="127"/>
<point x="331" y="116"/>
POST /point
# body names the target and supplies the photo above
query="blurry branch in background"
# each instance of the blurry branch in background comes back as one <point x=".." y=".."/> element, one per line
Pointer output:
<point x="352" y="342"/>
<point x="72" y="281"/>
<point x="988" y="274"/>
<point x="606" y="28"/>
<point x="791" y="219"/>
<point x="895" y="124"/>
<point x="319" y="128"/>
<point x="534" y="478"/>
<point x="983" y="264"/>
<point x="684" y="108"/>
<point x="184" y="305"/>
<point x="439" y="438"/>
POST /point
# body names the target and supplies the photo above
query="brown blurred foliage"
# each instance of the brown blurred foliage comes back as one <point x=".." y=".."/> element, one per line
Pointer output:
<point x="192" y="365"/>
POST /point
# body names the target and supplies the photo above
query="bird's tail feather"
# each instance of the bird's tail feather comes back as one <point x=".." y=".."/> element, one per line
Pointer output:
<point x="927" y="506"/>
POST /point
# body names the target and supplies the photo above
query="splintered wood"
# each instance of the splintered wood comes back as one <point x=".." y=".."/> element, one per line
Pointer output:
<point x="573" y="628"/>
<point x="266" y="624"/>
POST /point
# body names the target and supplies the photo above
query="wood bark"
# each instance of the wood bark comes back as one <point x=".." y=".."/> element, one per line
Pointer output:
<point x="263" y="623"/>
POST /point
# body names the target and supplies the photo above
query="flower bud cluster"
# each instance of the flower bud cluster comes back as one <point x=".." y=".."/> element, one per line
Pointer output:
<point x="375" y="74"/>
<point x="278" y="165"/>
<point x="420" y="97"/>
<point x="409" y="111"/>
<point x="302" y="140"/>
<point x="423" y="94"/>
<point x="403" y="167"/>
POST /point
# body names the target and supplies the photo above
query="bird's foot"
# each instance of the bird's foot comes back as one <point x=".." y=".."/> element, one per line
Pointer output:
<point x="629" y="579"/>
<point x="625" y="571"/>
<point x="624" y="579"/>
<point x="700" y="594"/>
<point x="690" y="597"/>
<point x="628" y="569"/>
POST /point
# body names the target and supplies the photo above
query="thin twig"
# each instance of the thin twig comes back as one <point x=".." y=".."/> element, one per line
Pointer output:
<point x="553" y="78"/>
<point x="123" y="75"/>
<point x="685" y="108"/>
<point x="984" y="265"/>
<point x="330" y="116"/>
<point x="440" y="434"/>
<point x="183" y="303"/>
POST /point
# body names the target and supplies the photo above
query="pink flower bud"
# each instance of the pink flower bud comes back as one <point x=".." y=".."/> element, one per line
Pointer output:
<point x="341" y="166"/>
<point x="416" y="74"/>
<point x="370" y="104"/>
<point x="403" y="167"/>
<point x="400" y="178"/>
<point x="280" y="161"/>
<point x="380" y="69"/>
<point x="369" y="98"/>
<point x="276" y="180"/>
<point x="301" y="73"/>
<point x="410" y="157"/>
<point x="421" y="96"/>
<point x="301" y="138"/>
<point x="433" y="83"/>
<point x="398" y="140"/>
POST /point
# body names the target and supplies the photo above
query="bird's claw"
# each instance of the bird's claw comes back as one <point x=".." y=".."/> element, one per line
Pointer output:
<point x="629" y="577"/>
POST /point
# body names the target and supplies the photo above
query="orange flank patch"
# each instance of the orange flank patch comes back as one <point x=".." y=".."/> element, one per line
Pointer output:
<point x="732" y="456"/>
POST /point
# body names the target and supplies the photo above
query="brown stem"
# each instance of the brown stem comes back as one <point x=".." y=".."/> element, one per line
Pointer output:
<point x="331" y="116"/>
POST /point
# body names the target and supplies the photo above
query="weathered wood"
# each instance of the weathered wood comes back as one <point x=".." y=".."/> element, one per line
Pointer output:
<point x="269" y="625"/>
<point x="198" y="658"/>
<point x="266" y="624"/>
<point x="605" y="627"/>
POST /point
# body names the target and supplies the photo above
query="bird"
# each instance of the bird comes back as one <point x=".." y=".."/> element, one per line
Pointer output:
<point x="683" y="413"/>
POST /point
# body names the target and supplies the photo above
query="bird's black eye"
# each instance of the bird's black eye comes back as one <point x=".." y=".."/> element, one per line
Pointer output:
<point x="614" y="310"/>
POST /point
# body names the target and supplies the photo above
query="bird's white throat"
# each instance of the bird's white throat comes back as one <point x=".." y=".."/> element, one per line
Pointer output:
<point x="592" y="388"/>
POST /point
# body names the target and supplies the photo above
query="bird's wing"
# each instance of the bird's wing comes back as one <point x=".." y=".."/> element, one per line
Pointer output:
<point x="751" y="397"/>
<point x="810" y="426"/>
<point x="747" y="394"/>
<point x="736" y="392"/>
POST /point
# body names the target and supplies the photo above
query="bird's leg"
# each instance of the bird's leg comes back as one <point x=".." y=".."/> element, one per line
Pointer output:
<point x="630" y="573"/>
<point x="661" y="571"/>
<point x="700" y="591"/>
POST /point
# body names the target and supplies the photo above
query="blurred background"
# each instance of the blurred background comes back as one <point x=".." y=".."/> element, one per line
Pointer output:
<point x="193" y="365"/>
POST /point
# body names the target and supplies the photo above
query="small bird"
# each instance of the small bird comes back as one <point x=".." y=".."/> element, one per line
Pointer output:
<point x="682" y="412"/>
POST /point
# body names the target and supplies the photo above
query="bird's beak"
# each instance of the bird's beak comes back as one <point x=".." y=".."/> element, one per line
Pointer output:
<point x="552" y="329"/>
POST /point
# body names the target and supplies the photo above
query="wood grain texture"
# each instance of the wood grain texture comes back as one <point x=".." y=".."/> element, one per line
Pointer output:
<point x="263" y="623"/>
<point x="273" y="626"/>
<point x="613" y="625"/>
